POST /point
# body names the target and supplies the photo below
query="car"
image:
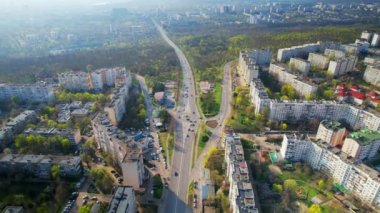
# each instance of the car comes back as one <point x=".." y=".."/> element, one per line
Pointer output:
<point x="94" y="198"/>
<point x="113" y="171"/>
<point x="85" y="197"/>
<point x="176" y="174"/>
<point x="187" y="136"/>
<point x="84" y="202"/>
<point x="116" y="175"/>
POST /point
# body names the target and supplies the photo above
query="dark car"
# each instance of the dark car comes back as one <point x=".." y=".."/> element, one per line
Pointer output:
<point x="176" y="174"/>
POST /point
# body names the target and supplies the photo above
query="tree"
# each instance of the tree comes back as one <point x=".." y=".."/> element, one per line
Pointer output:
<point x="315" y="208"/>
<point x="55" y="171"/>
<point x="290" y="184"/>
<point x="277" y="188"/>
<point x="284" y="126"/>
<point x="85" y="209"/>
<point x="321" y="184"/>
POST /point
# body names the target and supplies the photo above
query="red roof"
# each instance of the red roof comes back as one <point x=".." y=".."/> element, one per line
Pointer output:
<point x="355" y="87"/>
<point x="357" y="95"/>
<point x="372" y="94"/>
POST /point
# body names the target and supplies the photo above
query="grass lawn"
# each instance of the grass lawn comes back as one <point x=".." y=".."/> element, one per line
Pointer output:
<point x="167" y="143"/>
<point x="210" y="103"/>
<point x="204" y="136"/>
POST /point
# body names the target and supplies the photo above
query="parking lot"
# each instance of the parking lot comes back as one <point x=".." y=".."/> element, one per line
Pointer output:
<point x="85" y="198"/>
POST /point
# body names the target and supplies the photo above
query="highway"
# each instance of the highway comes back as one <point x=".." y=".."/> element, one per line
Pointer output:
<point x="187" y="119"/>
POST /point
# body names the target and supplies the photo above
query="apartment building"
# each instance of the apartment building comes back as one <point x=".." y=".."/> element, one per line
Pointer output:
<point x="16" y="125"/>
<point x="299" y="65"/>
<point x="319" y="61"/>
<point x="332" y="132"/>
<point x="39" y="166"/>
<point x="73" y="135"/>
<point x="302" y="51"/>
<point x="366" y="35"/>
<point x="375" y="40"/>
<point x="124" y="200"/>
<point x="334" y="54"/>
<point x="359" y="179"/>
<point x="301" y="84"/>
<point x="241" y="196"/>
<point x="362" y="145"/>
<point x="293" y="111"/>
<point x="250" y="62"/>
<point x="116" y="107"/>
<point x="128" y="154"/>
<point x="259" y="96"/>
<point x="97" y="80"/>
<point x="355" y="48"/>
<point x="78" y="81"/>
<point x="342" y="66"/>
<point x="39" y="92"/>
<point x="94" y="81"/>
<point x="372" y="75"/>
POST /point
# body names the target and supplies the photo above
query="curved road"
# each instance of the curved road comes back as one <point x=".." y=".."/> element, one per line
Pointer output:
<point x="187" y="119"/>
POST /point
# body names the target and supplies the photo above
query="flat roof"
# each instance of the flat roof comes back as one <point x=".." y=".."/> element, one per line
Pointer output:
<point x="333" y="125"/>
<point x="365" y="136"/>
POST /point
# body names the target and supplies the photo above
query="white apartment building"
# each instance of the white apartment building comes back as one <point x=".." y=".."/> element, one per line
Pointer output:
<point x="250" y="62"/>
<point x="331" y="132"/>
<point x="362" y="145"/>
<point x="293" y="111"/>
<point x="366" y="36"/>
<point x="299" y="65"/>
<point x="302" y="51"/>
<point x="116" y="108"/>
<point x="300" y="84"/>
<point x="40" y="92"/>
<point x="297" y="51"/>
<point x="75" y="81"/>
<point x="342" y="66"/>
<point x="359" y="179"/>
<point x="124" y="200"/>
<point x="259" y="96"/>
<point x="375" y="40"/>
<point x="97" y="79"/>
<point x="318" y="60"/>
<point x="241" y="194"/>
<point x="334" y="54"/>
<point x="372" y="75"/>
<point x="128" y="154"/>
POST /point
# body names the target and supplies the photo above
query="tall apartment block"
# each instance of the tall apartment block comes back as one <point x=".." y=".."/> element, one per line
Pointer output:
<point x="359" y="179"/>
<point x="40" y="92"/>
<point x="250" y="62"/>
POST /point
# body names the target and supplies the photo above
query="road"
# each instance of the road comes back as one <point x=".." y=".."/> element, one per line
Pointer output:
<point x="187" y="119"/>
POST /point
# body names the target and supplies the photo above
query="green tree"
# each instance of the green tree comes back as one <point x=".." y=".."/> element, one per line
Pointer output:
<point x="55" y="171"/>
<point x="277" y="188"/>
<point x="290" y="184"/>
<point x="284" y="126"/>
<point x="85" y="209"/>
<point x="321" y="184"/>
<point x="315" y="208"/>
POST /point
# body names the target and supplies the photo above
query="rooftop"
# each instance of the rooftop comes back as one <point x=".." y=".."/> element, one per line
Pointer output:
<point x="120" y="201"/>
<point x="365" y="136"/>
<point x="333" y="125"/>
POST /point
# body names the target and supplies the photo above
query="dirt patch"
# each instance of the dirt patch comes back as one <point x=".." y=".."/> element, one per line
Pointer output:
<point x="212" y="124"/>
